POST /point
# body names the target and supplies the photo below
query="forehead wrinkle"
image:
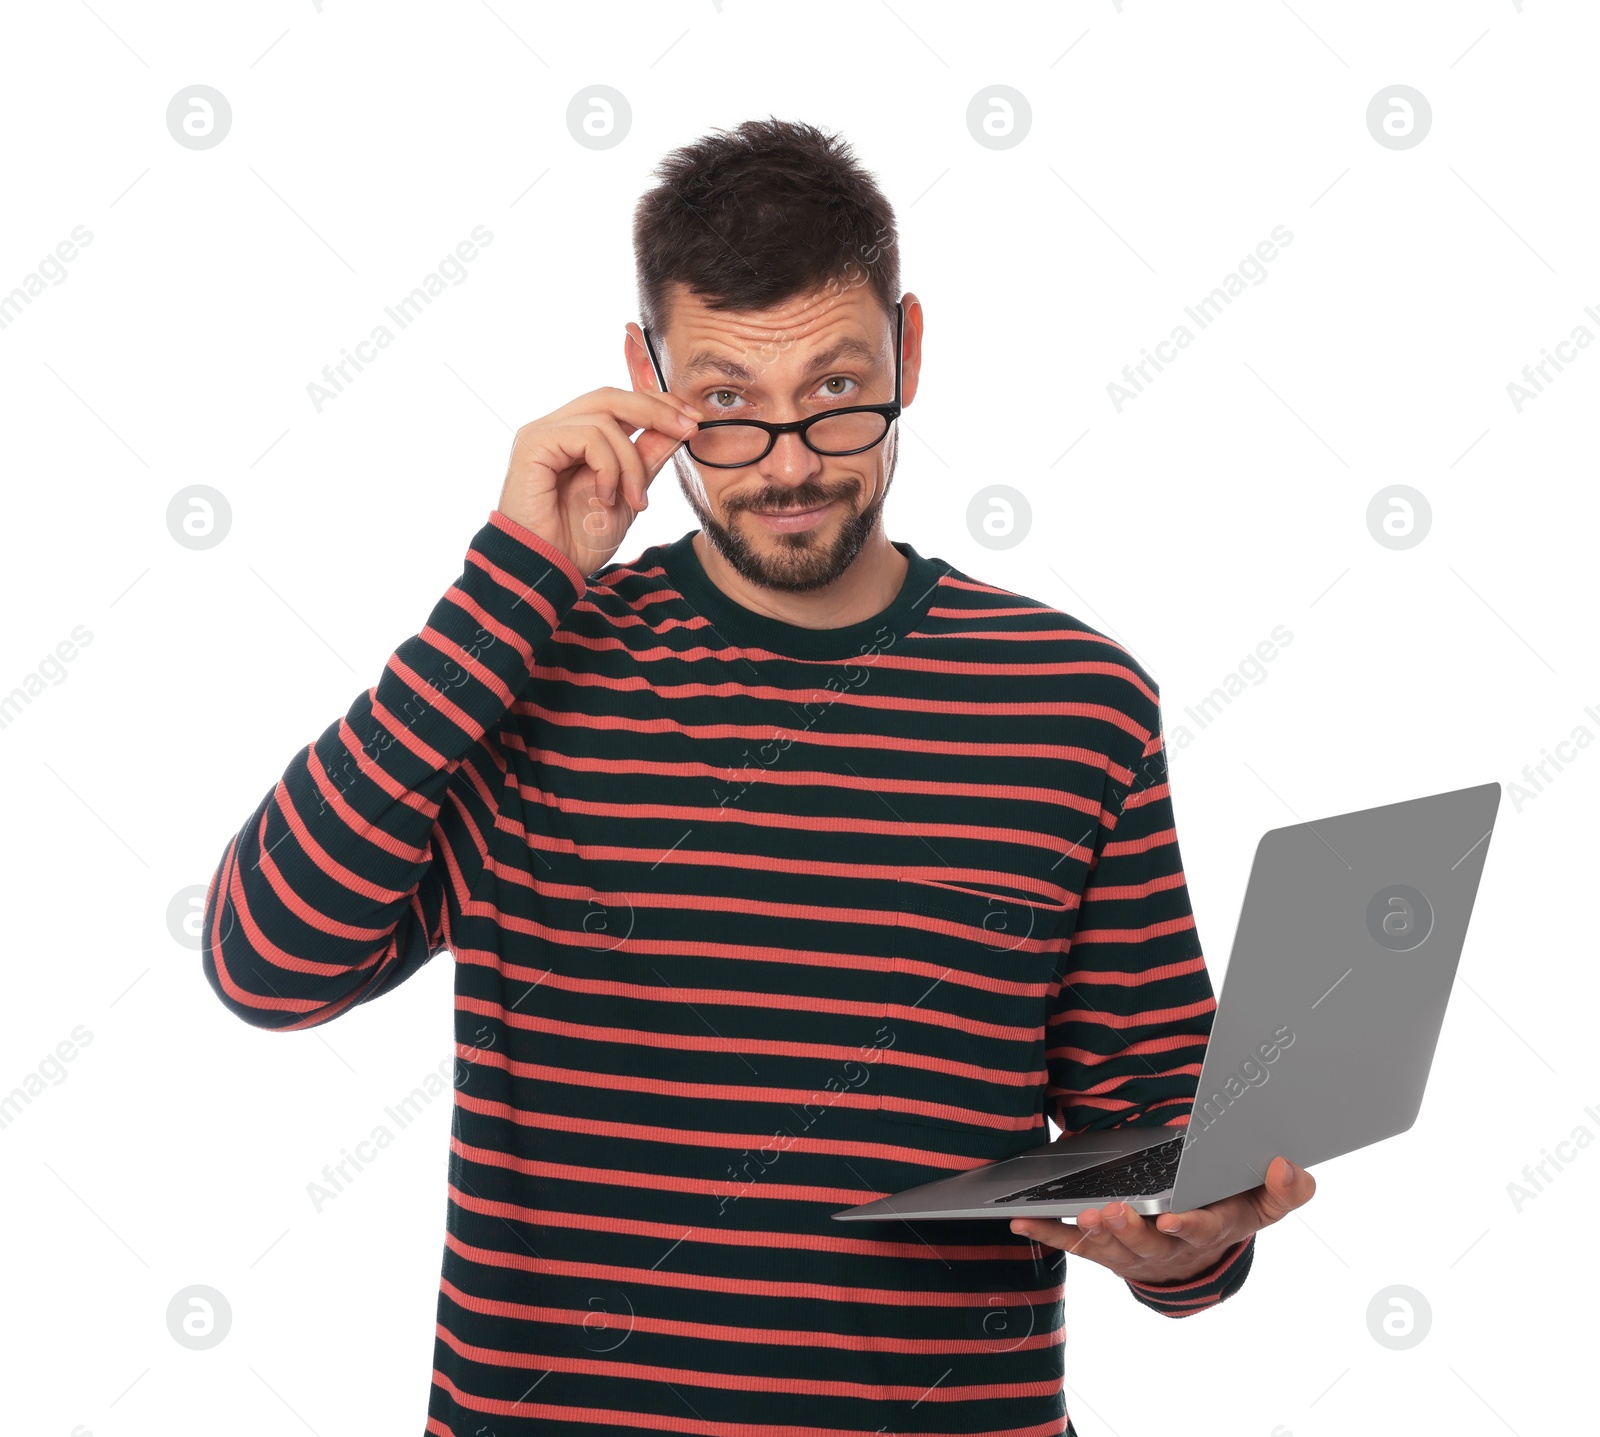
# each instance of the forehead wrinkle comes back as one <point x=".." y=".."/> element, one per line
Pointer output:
<point x="849" y="347"/>
<point x="707" y="361"/>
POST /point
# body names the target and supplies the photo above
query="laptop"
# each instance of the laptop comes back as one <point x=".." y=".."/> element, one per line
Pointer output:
<point x="1322" y="1038"/>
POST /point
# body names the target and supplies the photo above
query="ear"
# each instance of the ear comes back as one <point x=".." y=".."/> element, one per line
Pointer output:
<point x="911" y="363"/>
<point x="637" y="358"/>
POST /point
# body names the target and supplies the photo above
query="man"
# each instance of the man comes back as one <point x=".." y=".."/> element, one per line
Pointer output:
<point x="784" y="868"/>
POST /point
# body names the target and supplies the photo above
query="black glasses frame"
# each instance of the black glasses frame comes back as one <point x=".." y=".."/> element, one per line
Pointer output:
<point x="802" y="427"/>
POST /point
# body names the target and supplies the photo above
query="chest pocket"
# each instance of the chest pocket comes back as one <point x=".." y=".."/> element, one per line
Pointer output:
<point x="969" y="991"/>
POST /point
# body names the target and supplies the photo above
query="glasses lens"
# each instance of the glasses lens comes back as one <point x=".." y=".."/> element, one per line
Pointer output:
<point x="843" y="433"/>
<point x="728" y="444"/>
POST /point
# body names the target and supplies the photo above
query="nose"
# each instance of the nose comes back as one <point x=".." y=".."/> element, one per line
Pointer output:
<point x="790" y="462"/>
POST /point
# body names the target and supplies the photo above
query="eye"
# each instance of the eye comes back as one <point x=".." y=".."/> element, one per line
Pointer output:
<point x="724" y="398"/>
<point x="837" y="387"/>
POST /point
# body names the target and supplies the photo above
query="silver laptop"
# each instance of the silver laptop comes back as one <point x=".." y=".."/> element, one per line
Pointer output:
<point x="1322" y="1038"/>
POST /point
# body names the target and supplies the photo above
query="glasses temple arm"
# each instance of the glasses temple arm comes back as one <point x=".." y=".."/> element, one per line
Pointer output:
<point x="655" y="364"/>
<point x="899" y="340"/>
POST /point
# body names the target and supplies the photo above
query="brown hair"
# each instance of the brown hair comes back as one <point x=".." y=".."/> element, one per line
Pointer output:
<point x="750" y="217"/>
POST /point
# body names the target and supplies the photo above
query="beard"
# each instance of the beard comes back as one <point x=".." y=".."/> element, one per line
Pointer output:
<point x="801" y="561"/>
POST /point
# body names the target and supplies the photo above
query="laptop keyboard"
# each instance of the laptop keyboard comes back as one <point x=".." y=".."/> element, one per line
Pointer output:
<point x="1143" y="1175"/>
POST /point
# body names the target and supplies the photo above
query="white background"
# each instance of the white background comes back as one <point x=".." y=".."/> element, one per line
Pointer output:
<point x="1231" y="496"/>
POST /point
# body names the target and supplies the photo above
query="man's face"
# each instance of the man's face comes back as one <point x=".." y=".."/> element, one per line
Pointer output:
<point x="795" y="520"/>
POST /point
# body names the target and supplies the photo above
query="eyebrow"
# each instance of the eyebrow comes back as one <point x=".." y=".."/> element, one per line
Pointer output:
<point x="706" y="361"/>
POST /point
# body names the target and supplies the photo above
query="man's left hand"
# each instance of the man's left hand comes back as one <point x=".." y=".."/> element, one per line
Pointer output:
<point x="1173" y="1247"/>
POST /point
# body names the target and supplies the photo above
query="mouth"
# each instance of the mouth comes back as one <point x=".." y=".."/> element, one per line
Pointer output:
<point x="789" y="521"/>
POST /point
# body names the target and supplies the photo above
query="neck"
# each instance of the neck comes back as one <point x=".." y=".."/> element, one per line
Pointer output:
<point x="866" y="588"/>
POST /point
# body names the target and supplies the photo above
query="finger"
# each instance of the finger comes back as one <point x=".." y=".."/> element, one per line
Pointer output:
<point x="1102" y="1245"/>
<point x="1286" y="1188"/>
<point x="1096" y="1240"/>
<point x="640" y="407"/>
<point x="642" y="457"/>
<point x="1204" y="1226"/>
<point x="636" y="410"/>
<point x="1137" y="1235"/>
<point x="630" y="466"/>
<point x="1052" y="1232"/>
<point x="655" y="448"/>
<point x="649" y="450"/>
<point x="588" y="444"/>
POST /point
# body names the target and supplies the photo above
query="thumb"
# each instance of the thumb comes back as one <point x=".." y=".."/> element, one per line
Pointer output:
<point x="655" y="448"/>
<point x="1286" y="1188"/>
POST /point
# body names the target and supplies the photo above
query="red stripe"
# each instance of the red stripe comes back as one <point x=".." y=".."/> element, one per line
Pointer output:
<point x="614" y="1370"/>
<point x="1140" y="845"/>
<point x="463" y="660"/>
<point x="1126" y="892"/>
<point x="540" y="545"/>
<point x="655" y="1422"/>
<point x="695" y="813"/>
<point x="1135" y="935"/>
<point x="781" y="777"/>
<point x="883" y="659"/>
<point x="395" y="729"/>
<point x="433" y="698"/>
<point x="725" y="1332"/>
<point x="1090" y="757"/>
<point x="333" y="797"/>
<point x="260" y="944"/>
<point x="930" y="1249"/>
<point x="710" y="1187"/>
<point x="491" y="625"/>
<point x="520" y="1261"/>
<point x="1138" y="978"/>
<point x="653" y="1134"/>
<point x="832" y="1052"/>
<point x="328" y="866"/>
<point x="374" y="771"/>
<point x="1142" y="1019"/>
<point x="704" y="948"/>
<point x="636" y="683"/>
<point x="508" y="581"/>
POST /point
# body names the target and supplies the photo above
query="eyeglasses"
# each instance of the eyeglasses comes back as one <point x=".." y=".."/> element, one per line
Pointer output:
<point x="734" y="443"/>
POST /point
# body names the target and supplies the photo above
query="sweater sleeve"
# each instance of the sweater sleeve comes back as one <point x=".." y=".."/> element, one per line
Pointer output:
<point x="1206" y="1289"/>
<point x="341" y="883"/>
<point x="1128" y="1033"/>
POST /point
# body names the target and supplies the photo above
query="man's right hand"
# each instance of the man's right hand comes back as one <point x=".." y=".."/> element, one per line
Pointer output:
<point x="578" y="480"/>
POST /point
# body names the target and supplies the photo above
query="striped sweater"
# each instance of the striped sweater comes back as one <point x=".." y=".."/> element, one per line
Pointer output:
<point x="724" y="892"/>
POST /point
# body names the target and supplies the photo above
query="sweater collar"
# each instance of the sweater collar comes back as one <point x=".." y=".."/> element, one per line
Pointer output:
<point x="743" y="626"/>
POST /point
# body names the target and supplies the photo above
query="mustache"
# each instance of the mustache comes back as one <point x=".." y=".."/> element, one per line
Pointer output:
<point x="776" y="501"/>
